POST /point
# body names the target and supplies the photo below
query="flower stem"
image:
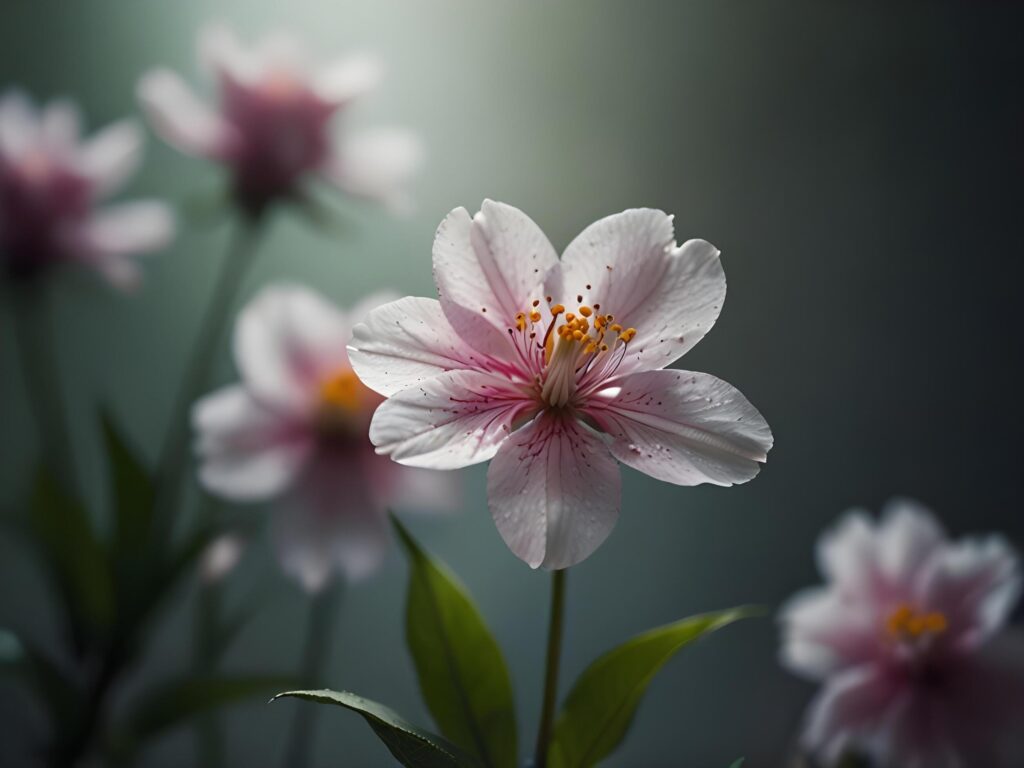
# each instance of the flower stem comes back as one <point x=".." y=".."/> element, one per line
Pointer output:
<point x="315" y="657"/>
<point x="209" y="727"/>
<point x="34" y="329"/>
<point x="547" y="716"/>
<point x="174" y="456"/>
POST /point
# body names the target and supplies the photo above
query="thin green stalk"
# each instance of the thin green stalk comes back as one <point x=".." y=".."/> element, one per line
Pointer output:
<point x="34" y="329"/>
<point x="554" y="654"/>
<point x="174" y="462"/>
<point x="208" y="626"/>
<point x="315" y="657"/>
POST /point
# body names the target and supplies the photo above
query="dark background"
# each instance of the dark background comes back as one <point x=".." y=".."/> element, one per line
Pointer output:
<point x="860" y="165"/>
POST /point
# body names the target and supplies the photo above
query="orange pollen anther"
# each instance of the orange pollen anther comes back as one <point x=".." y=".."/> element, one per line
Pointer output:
<point x="908" y="624"/>
<point x="586" y="311"/>
<point x="342" y="392"/>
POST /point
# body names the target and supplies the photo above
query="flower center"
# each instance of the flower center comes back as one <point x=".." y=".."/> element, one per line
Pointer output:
<point x="908" y="625"/>
<point x="280" y="85"/>
<point x="342" y="404"/>
<point x="572" y="351"/>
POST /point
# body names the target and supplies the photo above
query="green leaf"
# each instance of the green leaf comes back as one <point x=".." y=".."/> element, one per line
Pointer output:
<point x="175" y="702"/>
<point x="132" y="490"/>
<point x="74" y="553"/>
<point x="462" y="674"/>
<point x="600" y="707"/>
<point x="739" y="763"/>
<point x="412" y="747"/>
<point x="54" y="688"/>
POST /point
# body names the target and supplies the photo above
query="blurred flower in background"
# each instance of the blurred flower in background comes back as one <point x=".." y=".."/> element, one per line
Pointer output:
<point x="529" y="360"/>
<point x="272" y="124"/>
<point x="907" y="637"/>
<point x="295" y="431"/>
<point x="51" y="184"/>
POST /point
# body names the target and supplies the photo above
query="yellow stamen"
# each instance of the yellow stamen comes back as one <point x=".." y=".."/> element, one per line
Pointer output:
<point x="908" y="624"/>
<point x="342" y="392"/>
<point x="586" y="311"/>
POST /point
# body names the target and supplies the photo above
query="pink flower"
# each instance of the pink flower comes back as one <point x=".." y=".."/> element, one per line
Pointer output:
<point x="51" y="184"/>
<point x="905" y="638"/>
<point x="556" y="369"/>
<point x="294" y="431"/>
<point x="272" y="126"/>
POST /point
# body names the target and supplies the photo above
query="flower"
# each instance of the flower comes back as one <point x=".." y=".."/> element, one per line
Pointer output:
<point x="294" y="431"/>
<point x="271" y="128"/>
<point x="51" y="183"/>
<point x="906" y="638"/>
<point x="556" y="369"/>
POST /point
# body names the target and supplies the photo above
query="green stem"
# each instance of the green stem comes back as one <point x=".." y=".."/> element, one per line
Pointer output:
<point x="315" y="657"/>
<point x="34" y="329"/>
<point x="174" y="457"/>
<point x="209" y="731"/>
<point x="547" y="716"/>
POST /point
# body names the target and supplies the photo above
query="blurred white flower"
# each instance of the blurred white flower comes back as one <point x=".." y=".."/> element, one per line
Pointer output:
<point x="272" y="124"/>
<point x="906" y="638"/>
<point x="51" y="184"/>
<point x="535" y="362"/>
<point x="221" y="556"/>
<point x="294" y="431"/>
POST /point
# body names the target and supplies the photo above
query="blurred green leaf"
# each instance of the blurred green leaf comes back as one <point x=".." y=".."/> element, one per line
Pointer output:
<point x="600" y="707"/>
<point x="175" y="702"/>
<point x="739" y="763"/>
<point x="34" y="668"/>
<point x="132" y="491"/>
<point x="462" y="674"/>
<point x="74" y="553"/>
<point x="412" y="747"/>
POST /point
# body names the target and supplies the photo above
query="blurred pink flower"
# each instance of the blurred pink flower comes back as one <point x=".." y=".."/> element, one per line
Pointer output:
<point x="51" y="184"/>
<point x="905" y="639"/>
<point x="272" y="125"/>
<point x="555" y="369"/>
<point x="294" y="431"/>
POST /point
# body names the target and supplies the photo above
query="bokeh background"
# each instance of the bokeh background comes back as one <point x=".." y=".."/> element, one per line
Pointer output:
<point x="859" y="165"/>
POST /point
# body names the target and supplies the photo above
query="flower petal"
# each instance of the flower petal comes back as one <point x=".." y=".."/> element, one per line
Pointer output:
<point x="286" y="340"/>
<point x="847" y="555"/>
<point x="554" y="491"/>
<point x="407" y="342"/>
<point x="378" y="166"/>
<point x="18" y="123"/>
<point x="488" y="269"/>
<point x="452" y="420"/>
<point x="683" y="427"/>
<point x="110" y="239"/>
<point x="247" y="452"/>
<point x="180" y="118"/>
<point x="222" y="54"/>
<point x="111" y="156"/>
<point x="330" y="521"/>
<point x="824" y="634"/>
<point x="59" y="126"/>
<point x="671" y="294"/>
<point x="345" y="79"/>
<point x="908" y="536"/>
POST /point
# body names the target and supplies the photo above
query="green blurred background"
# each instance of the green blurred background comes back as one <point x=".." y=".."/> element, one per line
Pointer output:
<point x="859" y="165"/>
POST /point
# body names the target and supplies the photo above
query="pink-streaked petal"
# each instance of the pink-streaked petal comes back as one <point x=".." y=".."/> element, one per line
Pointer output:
<point x="247" y="452"/>
<point x="453" y="420"/>
<point x="406" y="342"/>
<point x="488" y="269"/>
<point x="60" y="125"/>
<point x="378" y="166"/>
<point x="180" y="118"/>
<point x="287" y="339"/>
<point x="975" y="583"/>
<point x="18" y="124"/>
<point x="554" y="492"/>
<point x="850" y="710"/>
<point x="683" y="427"/>
<point x="345" y="79"/>
<point x="823" y="633"/>
<point x="908" y="536"/>
<point x="671" y="294"/>
<point x="111" y="156"/>
<point x="330" y="522"/>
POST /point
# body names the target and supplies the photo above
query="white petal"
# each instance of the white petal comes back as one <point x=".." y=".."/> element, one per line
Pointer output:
<point x="683" y="427"/>
<point x="407" y="342"/>
<point x="247" y="452"/>
<point x="60" y="126"/>
<point x="180" y="118"/>
<point x="908" y="536"/>
<point x="554" y="491"/>
<point x="111" y="156"/>
<point x="488" y="269"/>
<point x="287" y="339"/>
<point x="450" y="421"/>
<point x="345" y="79"/>
<point x="847" y="554"/>
<point x="131" y="228"/>
<point x="362" y="308"/>
<point x="222" y="54"/>
<point x="18" y="124"/>
<point x="823" y="633"/>
<point x="330" y="522"/>
<point x="378" y="166"/>
<point x="671" y="294"/>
